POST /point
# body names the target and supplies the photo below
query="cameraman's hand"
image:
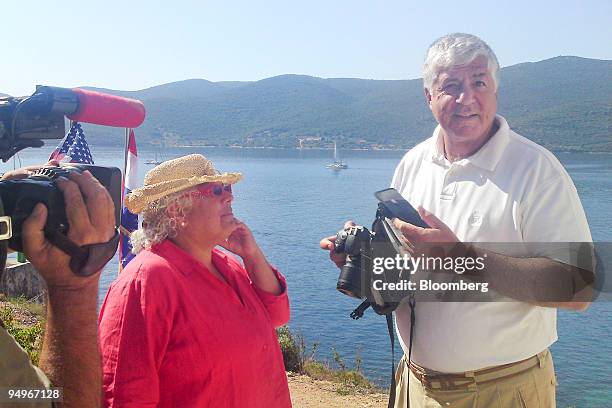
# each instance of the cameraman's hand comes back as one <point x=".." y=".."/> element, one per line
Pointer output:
<point x="90" y="213"/>
<point x="438" y="233"/>
<point x="328" y="244"/>
<point x="25" y="172"/>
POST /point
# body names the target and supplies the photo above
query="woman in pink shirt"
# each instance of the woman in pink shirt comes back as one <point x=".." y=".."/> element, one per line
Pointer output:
<point x="185" y="324"/>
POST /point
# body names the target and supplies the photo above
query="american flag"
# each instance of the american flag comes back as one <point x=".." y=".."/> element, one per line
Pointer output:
<point x="73" y="148"/>
<point x="129" y="221"/>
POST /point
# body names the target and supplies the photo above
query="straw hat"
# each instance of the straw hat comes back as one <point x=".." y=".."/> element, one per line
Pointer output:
<point x="175" y="175"/>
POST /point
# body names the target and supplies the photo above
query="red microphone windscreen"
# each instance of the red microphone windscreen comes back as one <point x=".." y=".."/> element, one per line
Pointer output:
<point x="108" y="110"/>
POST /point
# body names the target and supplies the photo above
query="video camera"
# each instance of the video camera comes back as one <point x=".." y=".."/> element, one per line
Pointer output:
<point x="24" y="122"/>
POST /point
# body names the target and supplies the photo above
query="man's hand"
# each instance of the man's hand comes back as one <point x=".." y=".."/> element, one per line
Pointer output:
<point x="328" y="244"/>
<point x="90" y="213"/>
<point x="438" y="233"/>
<point x="24" y="172"/>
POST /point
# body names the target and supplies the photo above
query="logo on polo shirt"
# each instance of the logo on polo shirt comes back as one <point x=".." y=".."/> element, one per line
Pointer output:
<point x="475" y="219"/>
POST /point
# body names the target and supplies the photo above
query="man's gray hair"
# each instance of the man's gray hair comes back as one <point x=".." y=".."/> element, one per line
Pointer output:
<point x="456" y="49"/>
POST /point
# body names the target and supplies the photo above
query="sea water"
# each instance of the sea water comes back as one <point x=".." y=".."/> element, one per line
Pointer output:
<point x="290" y="201"/>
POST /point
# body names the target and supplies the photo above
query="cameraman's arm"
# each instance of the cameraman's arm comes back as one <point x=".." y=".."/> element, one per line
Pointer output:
<point x="70" y="355"/>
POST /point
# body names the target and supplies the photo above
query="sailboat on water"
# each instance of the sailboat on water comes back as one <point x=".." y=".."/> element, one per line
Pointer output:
<point x="337" y="164"/>
<point x="159" y="156"/>
<point x="154" y="161"/>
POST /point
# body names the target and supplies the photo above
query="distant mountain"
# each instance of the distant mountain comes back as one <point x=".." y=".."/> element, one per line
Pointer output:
<point x="189" y="88"/>
<point x="562" y="103"/>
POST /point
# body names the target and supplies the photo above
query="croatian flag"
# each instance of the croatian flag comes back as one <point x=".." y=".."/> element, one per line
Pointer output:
<point x="73" y="148"/>
<point x="129" y="221"/>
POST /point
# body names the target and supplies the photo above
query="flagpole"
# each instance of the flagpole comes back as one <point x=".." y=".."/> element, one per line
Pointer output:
<point x="125" y="160"/>
<point x="125" y="153"/>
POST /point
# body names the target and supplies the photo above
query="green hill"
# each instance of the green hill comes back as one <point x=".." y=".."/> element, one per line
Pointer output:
<point x="562" y="103"/>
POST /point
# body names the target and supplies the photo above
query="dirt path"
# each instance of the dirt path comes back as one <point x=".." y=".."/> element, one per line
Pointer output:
<point x="309" y="393"/>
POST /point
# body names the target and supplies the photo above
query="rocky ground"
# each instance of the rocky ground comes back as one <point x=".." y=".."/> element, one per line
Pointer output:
<point x="23" y="313"/>
<point x="310" y="393"/>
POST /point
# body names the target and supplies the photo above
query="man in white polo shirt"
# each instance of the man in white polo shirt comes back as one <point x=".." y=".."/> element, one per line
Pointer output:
<point x="477" y="181"/>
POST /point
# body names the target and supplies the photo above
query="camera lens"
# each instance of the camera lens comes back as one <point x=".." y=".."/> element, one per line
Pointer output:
<point x="349" y="281"/>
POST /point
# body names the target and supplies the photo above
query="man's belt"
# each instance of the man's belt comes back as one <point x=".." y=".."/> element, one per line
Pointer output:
<point x="447" y="382"/>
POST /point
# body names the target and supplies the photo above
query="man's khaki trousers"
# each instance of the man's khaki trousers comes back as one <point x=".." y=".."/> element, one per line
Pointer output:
<point x="534" y="387"/>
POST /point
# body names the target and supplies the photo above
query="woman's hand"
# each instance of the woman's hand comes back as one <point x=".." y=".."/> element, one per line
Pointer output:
<point x="242" y="242"/>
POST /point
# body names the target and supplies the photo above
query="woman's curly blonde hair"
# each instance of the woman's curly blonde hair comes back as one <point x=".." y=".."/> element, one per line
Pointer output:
<point x="157" y="224"/>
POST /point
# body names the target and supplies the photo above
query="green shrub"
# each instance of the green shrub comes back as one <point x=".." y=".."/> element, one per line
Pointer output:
<point x="293" y="350"/>
<point x="298" y="360"/>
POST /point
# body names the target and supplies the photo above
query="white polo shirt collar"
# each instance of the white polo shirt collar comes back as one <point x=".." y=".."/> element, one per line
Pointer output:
<point x="487" y="157"/>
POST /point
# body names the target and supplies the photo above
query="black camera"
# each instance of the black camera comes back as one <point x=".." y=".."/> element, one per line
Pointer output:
<point x="18" y="198"/>
<point x="362" y="246"/>
<point x="355" y="242"/>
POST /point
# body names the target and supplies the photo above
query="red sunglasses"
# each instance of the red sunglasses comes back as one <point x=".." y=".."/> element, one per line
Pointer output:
<point x="217" y="189"/>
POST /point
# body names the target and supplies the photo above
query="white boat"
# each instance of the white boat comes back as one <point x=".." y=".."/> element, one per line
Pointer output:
<point x="159" y="157"/>
<point x="155" y="161"/>
<point x="337" y="164"/>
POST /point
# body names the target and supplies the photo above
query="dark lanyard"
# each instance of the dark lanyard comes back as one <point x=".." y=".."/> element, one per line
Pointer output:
<point x="358" y="313"/>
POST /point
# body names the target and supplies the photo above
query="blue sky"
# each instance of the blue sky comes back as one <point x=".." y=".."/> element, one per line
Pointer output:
<point x="134" y="45"/>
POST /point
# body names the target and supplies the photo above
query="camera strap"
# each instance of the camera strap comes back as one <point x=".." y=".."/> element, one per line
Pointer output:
<point x="85" y="260"/>
<point x="392" y="390"/>
<point x="358" y="313"/>
<point x="412" y="304"/>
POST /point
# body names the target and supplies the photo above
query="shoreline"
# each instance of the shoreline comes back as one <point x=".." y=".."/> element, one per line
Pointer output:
<point x="146" y="145"/>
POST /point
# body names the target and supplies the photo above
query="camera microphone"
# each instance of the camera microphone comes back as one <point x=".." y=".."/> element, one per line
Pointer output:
<point x="25" y="121"/>
<point x="87" y="106"/>
<point x="108" y="110"/>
